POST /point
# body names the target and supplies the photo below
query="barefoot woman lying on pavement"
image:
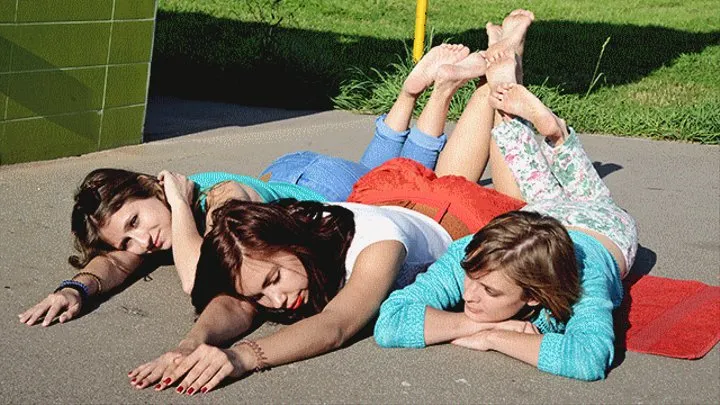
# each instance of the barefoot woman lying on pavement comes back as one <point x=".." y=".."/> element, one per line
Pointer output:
<point x="327" y="268"/>
<point x="538" y="284"/>
<point x="120" y="218"/>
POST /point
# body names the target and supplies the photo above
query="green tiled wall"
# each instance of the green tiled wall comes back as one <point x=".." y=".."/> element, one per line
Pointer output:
<point x="73" y="75"/>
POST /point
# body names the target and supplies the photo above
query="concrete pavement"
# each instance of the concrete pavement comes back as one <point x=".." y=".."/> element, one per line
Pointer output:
<point x="672" y="189"/>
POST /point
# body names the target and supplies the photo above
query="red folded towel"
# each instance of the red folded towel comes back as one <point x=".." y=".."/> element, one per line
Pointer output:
<point x="674" y="318"/>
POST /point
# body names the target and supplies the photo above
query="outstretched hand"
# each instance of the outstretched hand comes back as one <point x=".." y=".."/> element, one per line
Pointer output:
<point x="66" y="303"/>
<point x="178" y="188"/>
<point x="160" y="368"/>
<point x="204" y="368"/>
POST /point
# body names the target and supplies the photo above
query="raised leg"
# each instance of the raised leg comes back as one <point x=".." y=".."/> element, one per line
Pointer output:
<point x="391" y="130"/>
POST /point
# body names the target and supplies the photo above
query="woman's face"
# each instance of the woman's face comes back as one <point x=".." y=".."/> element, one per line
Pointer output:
<point x="278" y="281"/>
<point x="493" y="297"/>
<point x="140" y="226"/>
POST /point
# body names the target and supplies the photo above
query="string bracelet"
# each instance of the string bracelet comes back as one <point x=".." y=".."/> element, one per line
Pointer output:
<point x="260" y="358"/>
<point x="77" y="286"/>
<point x="92" y="276"/>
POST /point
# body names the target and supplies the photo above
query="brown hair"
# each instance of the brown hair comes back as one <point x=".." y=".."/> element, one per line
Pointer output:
<point x="533" y="250"/>
<point x="318" y="235"/>
<point x="101" y="194"/>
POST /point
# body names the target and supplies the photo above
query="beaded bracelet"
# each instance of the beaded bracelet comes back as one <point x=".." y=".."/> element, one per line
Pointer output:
<point x="259" y="354"/>
<point x="77" y="286"/>
<point x="92" y="276"/>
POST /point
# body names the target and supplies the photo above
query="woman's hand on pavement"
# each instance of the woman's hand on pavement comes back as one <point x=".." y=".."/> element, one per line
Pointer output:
<point x="204" y="369"/>
<point x="160" y="369"/>
<point x="66" y="303"/>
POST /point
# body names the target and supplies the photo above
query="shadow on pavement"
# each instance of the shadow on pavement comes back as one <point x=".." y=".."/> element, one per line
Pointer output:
<point x="644" y="263"/>
<point x="168" y="117"/>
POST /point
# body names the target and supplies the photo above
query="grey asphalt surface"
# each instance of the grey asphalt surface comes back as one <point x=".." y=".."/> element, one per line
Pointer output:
<point x="672" y="189"/>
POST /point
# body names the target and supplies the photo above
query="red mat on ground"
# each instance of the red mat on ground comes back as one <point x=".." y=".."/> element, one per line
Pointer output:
<point x="674" y="318"/>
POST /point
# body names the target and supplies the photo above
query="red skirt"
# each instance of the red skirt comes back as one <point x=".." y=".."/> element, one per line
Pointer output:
<point x="459" y="205"/>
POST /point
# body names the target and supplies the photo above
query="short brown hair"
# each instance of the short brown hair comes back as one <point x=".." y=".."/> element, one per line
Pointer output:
<point x="533" y="250"/>
<point x="101" y="194"/>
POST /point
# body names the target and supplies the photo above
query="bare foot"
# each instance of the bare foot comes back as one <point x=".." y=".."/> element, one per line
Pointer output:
<point x="514" y="29"/>
<point x="424" y="72"/>
<point x="452" y="77"/>
<point x="501" y="68"/>
<point x="515" y="99"/>
<point x="494" y="33"/>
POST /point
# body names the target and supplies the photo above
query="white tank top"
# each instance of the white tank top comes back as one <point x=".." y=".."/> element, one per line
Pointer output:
<point x="424" y="239"/>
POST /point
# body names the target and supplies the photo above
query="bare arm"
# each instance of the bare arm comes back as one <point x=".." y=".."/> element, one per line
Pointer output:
<point x="111" y="270"/>
<point x="186" y="238"/>
<point x="223" y="319"/>
<point x="443" y="326"/>
<point x="375" y="270"/>
<point x="517" y="339"/>
<point x="373" y="275"/>
<point x="186" y="245"/>
<point x="522" y="346"/>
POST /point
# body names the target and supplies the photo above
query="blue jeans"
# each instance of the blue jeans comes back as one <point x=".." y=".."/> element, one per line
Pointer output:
<point x="334" y="177"/>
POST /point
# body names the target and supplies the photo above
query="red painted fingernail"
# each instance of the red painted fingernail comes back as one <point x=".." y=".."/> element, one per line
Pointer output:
<point x="167" y="380"/>
<point x="180" y="389"/>
<point x="190" y="391"/>
<point x="129" y="374"/>
<point x="203" y="390"/>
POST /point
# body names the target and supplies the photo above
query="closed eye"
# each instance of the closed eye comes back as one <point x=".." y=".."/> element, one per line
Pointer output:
<point x="272" y="277"/>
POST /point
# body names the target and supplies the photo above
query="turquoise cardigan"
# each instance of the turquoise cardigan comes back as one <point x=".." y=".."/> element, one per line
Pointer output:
<point x="582" y="348"/>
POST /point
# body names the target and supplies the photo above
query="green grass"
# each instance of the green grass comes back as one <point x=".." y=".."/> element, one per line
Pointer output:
<point x="658" y="73"/>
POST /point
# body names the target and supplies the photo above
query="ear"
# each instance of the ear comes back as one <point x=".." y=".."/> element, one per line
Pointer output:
<point x="533" y="303"/>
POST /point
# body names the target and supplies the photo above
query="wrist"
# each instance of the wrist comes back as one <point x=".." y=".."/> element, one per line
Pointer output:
<point x="79" y="288"/>
<point x="72" y="292"/>
<point x="189" y="343"/>
<point x="493" y="337"/>
<point x="179" y="205"/>
<point x="250" y="356"/>
<point x="244" y="358"/>
<point x="471" y="327"/>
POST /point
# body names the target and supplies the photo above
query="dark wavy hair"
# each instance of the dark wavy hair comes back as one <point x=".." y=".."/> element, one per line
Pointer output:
<point x="101" y="194"/>
<point x="533" y="250"/>
<point x="318" y="235"/>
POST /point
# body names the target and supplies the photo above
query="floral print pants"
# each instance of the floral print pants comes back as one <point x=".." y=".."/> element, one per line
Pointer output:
<point x="561" y="182"/>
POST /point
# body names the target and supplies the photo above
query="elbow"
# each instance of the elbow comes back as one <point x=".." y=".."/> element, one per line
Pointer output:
<point x="384" y="340"/>
<point x="335" y="338"/>
<point x="381" y="334"/>
<point x="585" y="357"/>
<point x="187" y="287"/>
<point x="596" y="364"/>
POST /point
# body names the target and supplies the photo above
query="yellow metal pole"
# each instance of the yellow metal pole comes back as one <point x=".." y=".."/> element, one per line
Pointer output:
<point x="420" y="18"/>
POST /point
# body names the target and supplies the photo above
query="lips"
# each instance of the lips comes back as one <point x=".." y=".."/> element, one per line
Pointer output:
<point x="472" y="310"/>
<point x="156" y="241"/>
<point x="298" y="301"/>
